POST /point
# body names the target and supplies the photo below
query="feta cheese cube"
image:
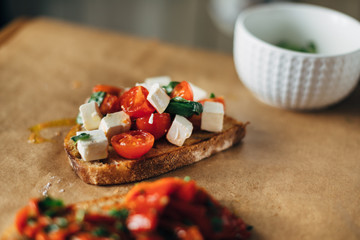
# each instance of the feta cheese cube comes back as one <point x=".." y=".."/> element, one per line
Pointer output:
<point x="149" y="82"/>
<point x="94" y="148"/>
<point x="115" y="123"/>
<point x="199" y="93"/>
<point x="91" y="116"/>
<point x="161" y="80"/>
<point x="158" y="98"/>
<point x="180" y="130"/>
<point x="212" y="117"/>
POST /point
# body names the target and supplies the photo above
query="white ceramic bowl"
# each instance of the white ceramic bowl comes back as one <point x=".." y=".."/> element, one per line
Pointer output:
<point x="290" y="79"/>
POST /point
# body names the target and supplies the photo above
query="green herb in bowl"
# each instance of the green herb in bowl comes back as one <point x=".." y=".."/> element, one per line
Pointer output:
<point x="310" y="47"/>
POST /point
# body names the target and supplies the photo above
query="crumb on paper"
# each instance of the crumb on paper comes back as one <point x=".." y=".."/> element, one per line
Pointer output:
<point x="61" y="190"/>
<point x="46" y="189"/>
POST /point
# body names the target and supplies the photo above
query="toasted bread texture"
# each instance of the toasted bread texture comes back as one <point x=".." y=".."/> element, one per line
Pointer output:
<point x="162" y="158"/>
<point x="96" y="205"/>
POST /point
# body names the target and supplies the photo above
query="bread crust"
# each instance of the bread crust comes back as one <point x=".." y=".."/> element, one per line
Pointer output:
<point x="162" y="158"/>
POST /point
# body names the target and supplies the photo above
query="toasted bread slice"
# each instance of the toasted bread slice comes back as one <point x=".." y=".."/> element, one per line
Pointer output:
<point x="164" y="206"/>
<point x="162" y="158"/>
<point x="96" y="205"/>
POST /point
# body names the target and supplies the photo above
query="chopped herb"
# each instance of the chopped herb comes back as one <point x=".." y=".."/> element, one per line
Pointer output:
<point x="61" y="222"/>
<point x="119" y="214"/>
<point x="50" y="206"/>
<point x="115" y="236"/>
<point x="184" y="107"/>
<point x="81" y="136"/>
<point x="216" y="224"/>
<point x="212" y="95"/>
<point x="187" y="179"/>
<point x="310" y="47"/>
<point x="97" y="97"/>
<point x="120" y="226"/>
<point x="170" y="87"/>
<point x="31" y="220"/>
<point x="249" y="227"/>
<point x="79" y="119"/>
<point x="51" y="228"/>
<point x="80" y="215"/>
<point x="100" y="232"/>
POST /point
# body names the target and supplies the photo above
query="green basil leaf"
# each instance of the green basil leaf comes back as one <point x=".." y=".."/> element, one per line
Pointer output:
<point x="50" y="206"/>
<point x="184" y="107"/>
<point x="217" y="224"/>
<point x="97" y="97"/>
<point x="81" y="136"/>
<point x="170" y="87"/>
<point x="51" y="228"/>
<point x="212" y="95"/>
<point x="119" y="213"/>
<point x="100" y="232"/>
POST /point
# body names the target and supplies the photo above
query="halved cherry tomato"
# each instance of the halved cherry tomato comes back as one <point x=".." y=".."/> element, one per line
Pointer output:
<point x="157" y="126"/>
<point x="108" y="89"/>
<point x="110" y="104"/>
<point x="132" y="144"/>
<point x="21" y="219"/>
<point x="184" y="90"/>
<point x="135" y="104"/>
<point x="216" y="99"/>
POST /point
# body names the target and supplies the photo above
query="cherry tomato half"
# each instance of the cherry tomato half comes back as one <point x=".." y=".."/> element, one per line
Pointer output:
<point x="132" y="144"/>
<point x="216" y="99"/>
<point x="135" y="104"/>
<point x="108" y="89"/>
<point x="157" y="126"/>
<point x="184" y="90"/>
<point x="110" y="104"/>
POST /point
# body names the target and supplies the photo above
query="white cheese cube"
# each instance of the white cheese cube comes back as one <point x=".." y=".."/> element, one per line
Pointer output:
<point x="161" y="80"/>
<point x="199" y="93"/>
<point x="91" y="116"/>
<point x="180" y="130"/>
<point x="115" y="123"/>
<point x="94" y="148"/>
<point x="212" y="117"/>
<point x="158" y="98"/>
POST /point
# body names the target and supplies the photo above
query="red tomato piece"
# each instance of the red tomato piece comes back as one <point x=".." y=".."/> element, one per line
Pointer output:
<point x="132" y="144"/>
<point x="21" y="219"/>
<point x="216" y="99"/>
<point x="110" y="104"/>
<point x="157" y="126"/>
<point x="184" y="90"/>
<point x="135" y="104"/>
<point x="108" y="89"/>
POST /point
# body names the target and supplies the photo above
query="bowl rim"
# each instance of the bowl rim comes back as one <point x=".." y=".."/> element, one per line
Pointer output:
<point x="278" y="5"/>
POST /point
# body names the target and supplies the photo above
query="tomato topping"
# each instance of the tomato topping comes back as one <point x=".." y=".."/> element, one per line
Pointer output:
<point x="132" y="144"/>
<point x="135" y="104"/>
<point x="110" y="104"/>
<point x="216" y="99"/>
<point x="157" y="124"/>
<point x="184" y="90"/>
<point x="108" y="89"/>
<point x="21" y="219"/>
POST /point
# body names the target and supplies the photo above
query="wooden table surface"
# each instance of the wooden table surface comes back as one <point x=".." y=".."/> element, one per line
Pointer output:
<point x="294" y="176"/>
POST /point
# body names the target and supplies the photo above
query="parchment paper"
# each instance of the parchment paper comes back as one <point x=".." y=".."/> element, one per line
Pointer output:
<point x="295" y="176"/>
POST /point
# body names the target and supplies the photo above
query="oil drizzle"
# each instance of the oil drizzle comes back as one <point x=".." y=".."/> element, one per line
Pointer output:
<point x="35" y="136"/>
